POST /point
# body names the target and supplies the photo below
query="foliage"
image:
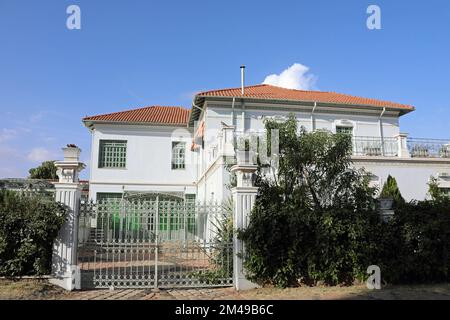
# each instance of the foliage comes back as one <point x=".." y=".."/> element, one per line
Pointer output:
<point x="414" y="247"/>
<point x="310" y="218"/>
<point x="316" y="219"/>
<point x="28" y="225"/>
<point x="391" y="190"/>
<point x="221" y="256"/>
<point x="46" y="170"/>
<point x="434" y="191"/>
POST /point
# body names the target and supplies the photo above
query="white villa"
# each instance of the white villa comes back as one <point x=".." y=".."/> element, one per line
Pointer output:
<point x="173" y="150"/>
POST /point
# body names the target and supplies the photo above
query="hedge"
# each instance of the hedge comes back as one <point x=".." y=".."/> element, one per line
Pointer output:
<point x="29" y="223"/>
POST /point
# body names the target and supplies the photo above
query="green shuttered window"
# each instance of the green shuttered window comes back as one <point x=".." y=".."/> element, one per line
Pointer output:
<point x="113" y="154"/>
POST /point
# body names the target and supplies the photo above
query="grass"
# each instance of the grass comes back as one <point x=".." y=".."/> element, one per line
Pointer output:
<point x="30" y="289"/>
<point x="356" y="292"/>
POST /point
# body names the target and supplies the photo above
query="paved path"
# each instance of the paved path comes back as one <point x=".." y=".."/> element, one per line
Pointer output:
<point x="152" y="294"/>
<point x="360" y="292"/>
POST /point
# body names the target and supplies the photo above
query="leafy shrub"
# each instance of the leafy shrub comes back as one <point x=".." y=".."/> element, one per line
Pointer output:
<point x="317" y="220"/>
<point x="28" y="226"/>
<point x="310" y="221"/>
<point x="391" y="190"/>
<point x="415" y="244"/>
<point x="221" y="255"/>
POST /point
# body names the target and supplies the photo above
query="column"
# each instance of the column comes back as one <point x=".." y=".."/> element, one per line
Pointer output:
<point x="65" y="272"/>
<point x="244" y="196"/>
<point x="227" y="136"/>
<point x="403" y="151"/>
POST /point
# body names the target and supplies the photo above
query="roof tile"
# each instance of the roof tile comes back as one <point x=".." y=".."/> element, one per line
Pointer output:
<point x="265" y="91"/>
<point x="153" y="114"/>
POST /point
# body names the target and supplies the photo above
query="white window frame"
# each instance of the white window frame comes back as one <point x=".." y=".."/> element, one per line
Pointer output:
<point x="178" y="155"/>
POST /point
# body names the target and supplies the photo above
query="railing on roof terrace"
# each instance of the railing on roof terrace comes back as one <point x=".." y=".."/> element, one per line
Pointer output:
<point x="428" y="148"/>
<point x="375" y="146"/>
<point x="399" y="146"/>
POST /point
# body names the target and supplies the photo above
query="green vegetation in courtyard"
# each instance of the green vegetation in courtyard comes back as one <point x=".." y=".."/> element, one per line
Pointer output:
<point x="316" y="220"/>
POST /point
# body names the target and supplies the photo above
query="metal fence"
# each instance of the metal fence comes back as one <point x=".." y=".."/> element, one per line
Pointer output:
<point x="375" y="146"/>
<point x="428" y="148"/>
<point x="144" y="244"/>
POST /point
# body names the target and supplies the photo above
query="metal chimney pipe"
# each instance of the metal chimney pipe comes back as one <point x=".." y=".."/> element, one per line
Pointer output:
<point x="242" y="79"/>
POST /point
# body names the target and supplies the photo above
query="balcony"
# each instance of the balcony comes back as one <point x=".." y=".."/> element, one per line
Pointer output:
<point x="375" y="146"/>
<point x="401" y="146"/>
<point x="428" y="148"/>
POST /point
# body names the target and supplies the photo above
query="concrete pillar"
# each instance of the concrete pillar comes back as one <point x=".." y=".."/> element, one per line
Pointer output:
<point x="227" y="144"/>
<point x="403" y="151"/>
<point x="244" y="196"/>
<point x="65" y="272"/>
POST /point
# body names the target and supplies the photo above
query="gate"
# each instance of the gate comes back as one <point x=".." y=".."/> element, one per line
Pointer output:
<point x="154" y="244"/>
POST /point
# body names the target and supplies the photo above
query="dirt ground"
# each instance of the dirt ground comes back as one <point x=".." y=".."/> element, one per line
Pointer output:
<point x="42" y="290"/>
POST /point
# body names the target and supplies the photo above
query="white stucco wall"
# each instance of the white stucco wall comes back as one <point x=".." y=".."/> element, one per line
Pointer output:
<point x="148" y="163"/>
<point x="363" y="125"/>
<point x="412" y="175"/>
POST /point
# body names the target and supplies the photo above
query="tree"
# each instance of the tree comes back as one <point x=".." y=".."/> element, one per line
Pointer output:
<point x="391" y="190"/>
<point x="311" y="217"/>
<point x="46" y="170"/>
<point x="434" y="191"/>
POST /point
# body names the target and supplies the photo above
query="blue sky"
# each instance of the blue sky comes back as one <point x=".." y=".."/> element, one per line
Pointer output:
<point x="135" y="53"/>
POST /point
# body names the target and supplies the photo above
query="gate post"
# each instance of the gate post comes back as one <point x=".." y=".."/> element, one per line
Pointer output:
<point x="65" y="272"/>
<point x="244" y="196"/>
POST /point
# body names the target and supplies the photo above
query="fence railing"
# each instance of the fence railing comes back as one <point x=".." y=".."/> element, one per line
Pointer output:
<point x="153" y="243"/>
<point x="375" y="146"/>
<point x="428" y="148"/>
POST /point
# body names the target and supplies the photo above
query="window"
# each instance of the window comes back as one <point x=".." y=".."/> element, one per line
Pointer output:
<point x="112" y="154"/>
<point x="178" y="155"/>
<point x="108" y="196"/>
<point x="190" y="198"/>
<point x="344" y="130"/>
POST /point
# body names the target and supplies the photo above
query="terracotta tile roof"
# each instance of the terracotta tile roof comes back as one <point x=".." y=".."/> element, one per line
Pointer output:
<point x="152" y="114"/>
<point x="265" y="91"/>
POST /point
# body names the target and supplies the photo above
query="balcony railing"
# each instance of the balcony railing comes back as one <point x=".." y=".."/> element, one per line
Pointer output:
<point x="428" y="148"/>
<point x="400" y="146"/>
<point x="375" y="146"/>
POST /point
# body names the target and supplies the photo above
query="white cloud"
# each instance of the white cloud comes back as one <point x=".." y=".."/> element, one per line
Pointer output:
<point x="294" y="77"/>
<point x="7" y="134"/>
<point x="39" y="155"/>
<point x="36" y="117"/>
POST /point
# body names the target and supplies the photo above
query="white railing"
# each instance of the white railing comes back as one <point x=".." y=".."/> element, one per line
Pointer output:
<point x="428" y="148"/>
<point x="375" y="146"/>
<point x="399" y="146"/>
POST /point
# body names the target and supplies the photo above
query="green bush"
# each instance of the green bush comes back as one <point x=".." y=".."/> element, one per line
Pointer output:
<point x="390" y="190"/>
<point x="414" y="247"/>
<point x="28" y="226"/>
<point x="310" y="221"/>
<point x="221" y="255"/>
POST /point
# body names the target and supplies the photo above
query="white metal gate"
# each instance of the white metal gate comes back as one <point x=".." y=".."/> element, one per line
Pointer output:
<point x="154" y="243"/>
